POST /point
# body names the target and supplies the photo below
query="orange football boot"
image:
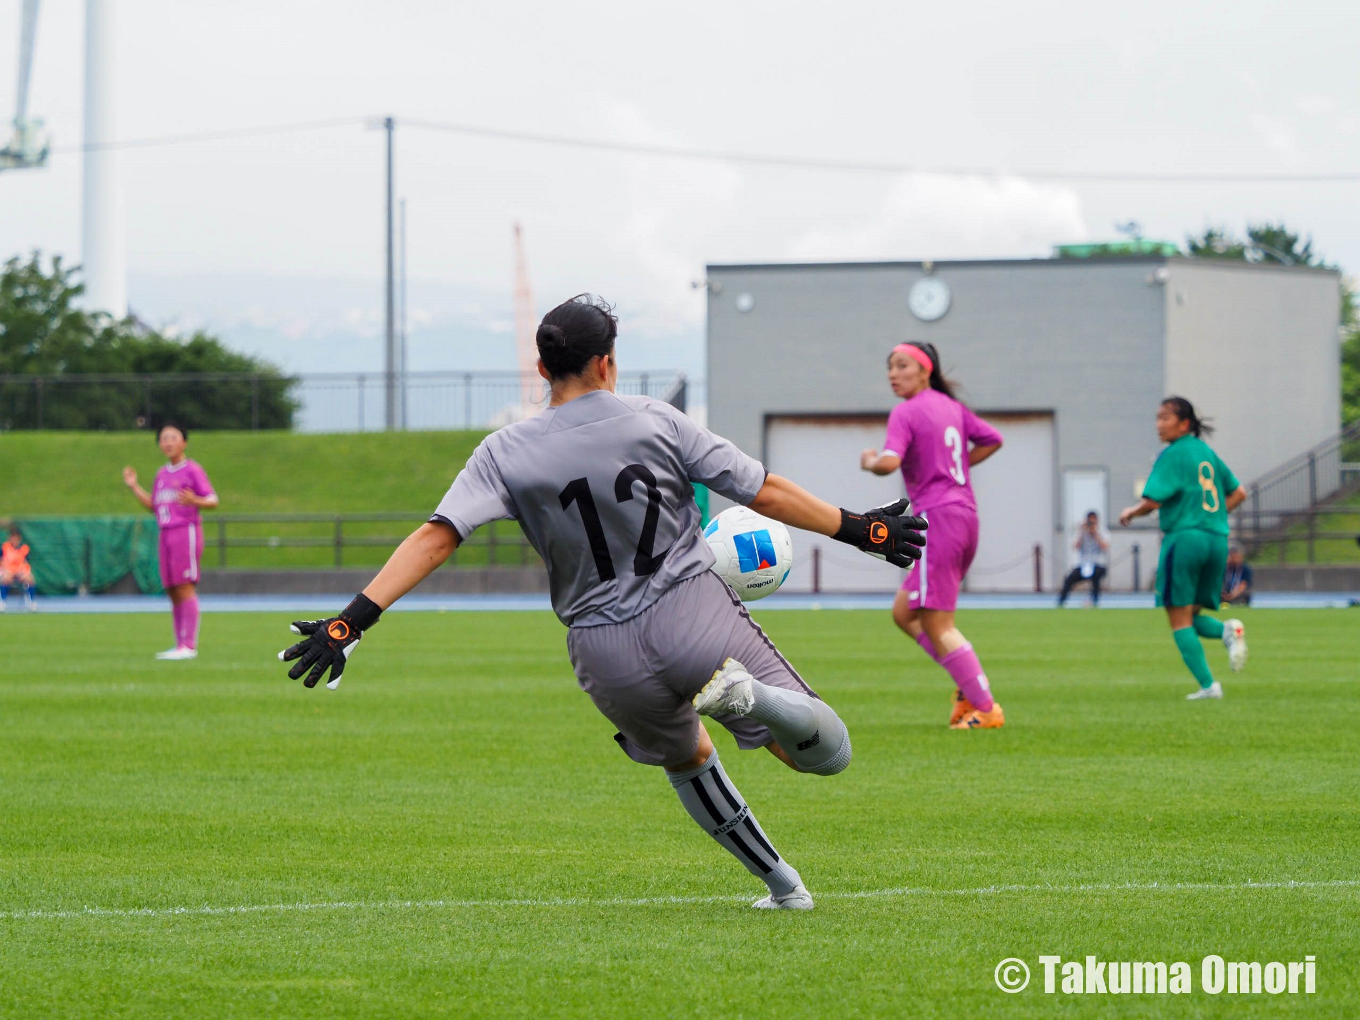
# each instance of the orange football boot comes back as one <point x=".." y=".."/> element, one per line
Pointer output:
<point x="978" y="720"/>
<point x="962" y="706"/>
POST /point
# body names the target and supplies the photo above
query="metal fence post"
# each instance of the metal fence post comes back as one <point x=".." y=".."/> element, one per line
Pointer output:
<point x="1137" y="568"/>
<point x="1312" y="504"/>
<point x="339" y="540"/>
<point x="1038" y="567"/>
<point x="816" y="570"/>
<point x="221" y="542"/>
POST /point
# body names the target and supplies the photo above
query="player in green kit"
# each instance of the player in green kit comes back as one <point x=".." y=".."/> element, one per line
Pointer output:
<point x="1193" y="492"/>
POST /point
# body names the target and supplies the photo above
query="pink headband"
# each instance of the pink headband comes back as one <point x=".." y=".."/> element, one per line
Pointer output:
<point x="918" y="355"/>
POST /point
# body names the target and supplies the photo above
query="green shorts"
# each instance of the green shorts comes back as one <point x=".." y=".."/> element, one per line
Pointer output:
<point x="1190" y="569"/>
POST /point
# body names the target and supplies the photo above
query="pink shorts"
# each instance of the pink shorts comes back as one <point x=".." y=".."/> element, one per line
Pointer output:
<point x="180" y="553"/>
<point x="951" y="542"/>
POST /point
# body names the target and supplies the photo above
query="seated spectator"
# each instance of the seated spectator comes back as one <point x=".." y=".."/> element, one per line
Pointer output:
<point x="1237" y="579"/>
<point x="1092" y="547"/>
<point x="14" y="569"/>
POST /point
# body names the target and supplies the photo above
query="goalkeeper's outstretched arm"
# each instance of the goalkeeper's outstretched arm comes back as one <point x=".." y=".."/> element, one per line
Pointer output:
<point x="327" y="644"/>
<point x="884" y="531"/>
<point x="419" y="556"/>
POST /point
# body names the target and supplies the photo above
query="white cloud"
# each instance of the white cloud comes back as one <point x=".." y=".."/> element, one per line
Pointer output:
<point x="930" y="217"/>
<point x="1276" y="135"/>
<point x="1316" y="106"/>
<point x="671" y="210"/>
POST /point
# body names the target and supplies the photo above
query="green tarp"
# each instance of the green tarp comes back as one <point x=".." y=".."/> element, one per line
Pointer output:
<point x="73" y="554"/>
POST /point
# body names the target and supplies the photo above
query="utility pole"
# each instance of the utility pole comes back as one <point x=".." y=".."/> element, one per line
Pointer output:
<point x="390" y="361"/>
<point x="405" y="423"/>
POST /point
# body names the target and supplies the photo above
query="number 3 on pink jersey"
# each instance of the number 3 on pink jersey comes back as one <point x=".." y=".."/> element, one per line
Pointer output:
<point x="954" y="441"/>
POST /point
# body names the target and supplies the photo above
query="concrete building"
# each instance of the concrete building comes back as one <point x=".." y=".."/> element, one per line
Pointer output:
<point x="1068" y="357"/>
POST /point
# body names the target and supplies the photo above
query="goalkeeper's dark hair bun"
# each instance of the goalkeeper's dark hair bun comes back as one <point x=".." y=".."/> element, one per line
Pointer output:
<point x="577" y="330"/>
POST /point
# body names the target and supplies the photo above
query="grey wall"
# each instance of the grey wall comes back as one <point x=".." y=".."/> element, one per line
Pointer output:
<point x="1098" y="343"/>
<point x="1256" y="348"/>
<point x="1083" y="339"/>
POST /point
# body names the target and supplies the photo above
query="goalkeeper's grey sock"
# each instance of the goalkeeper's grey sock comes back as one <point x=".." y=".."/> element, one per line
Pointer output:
<point x="713" y="802"/>
<point x="807" y="728"/>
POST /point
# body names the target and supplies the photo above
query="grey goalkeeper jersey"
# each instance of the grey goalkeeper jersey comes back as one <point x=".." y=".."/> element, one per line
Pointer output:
<point x="601" y="487"/>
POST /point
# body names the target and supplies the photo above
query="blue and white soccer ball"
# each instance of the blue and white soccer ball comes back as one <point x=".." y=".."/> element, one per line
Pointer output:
<point x="754" y="554"/>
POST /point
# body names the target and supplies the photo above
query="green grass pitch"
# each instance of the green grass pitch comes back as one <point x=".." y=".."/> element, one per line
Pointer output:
<point x="454" y="833"/>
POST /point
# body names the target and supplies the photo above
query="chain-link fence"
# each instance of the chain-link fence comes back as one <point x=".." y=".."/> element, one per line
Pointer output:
<point x="315" y="402"/>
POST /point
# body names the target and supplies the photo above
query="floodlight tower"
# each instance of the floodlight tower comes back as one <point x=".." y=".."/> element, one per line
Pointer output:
<point x="102" y="253"/>
<point x="526" y="330"/>
<point x="27" y="146"/>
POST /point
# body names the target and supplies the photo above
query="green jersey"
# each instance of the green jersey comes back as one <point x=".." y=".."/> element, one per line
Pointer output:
<point x="1192" y="483"/>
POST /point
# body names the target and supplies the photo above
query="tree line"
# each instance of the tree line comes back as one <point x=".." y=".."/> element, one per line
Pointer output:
<point x="56" y="359"/>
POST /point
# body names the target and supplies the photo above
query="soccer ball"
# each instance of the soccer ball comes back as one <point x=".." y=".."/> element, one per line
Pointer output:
<point x="753" y="553"/>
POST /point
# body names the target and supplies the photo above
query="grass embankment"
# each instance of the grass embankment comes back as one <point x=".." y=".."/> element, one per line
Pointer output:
<point x="58" y="473"/>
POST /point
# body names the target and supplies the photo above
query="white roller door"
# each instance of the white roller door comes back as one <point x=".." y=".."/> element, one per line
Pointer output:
<point x="1014" y="491"/>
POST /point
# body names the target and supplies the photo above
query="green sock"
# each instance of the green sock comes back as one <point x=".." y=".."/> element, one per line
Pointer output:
<point x="1208" y="627"/>
<point x="1193" y="654"/>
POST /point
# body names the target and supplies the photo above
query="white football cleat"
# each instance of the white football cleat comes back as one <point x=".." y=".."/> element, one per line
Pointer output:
<point x="1235" y="640"/>
<point x="799" y="899"/>
<point x="1214" y="690"/>
<point x="728" y="692"/>
<point x="177" y="654"/>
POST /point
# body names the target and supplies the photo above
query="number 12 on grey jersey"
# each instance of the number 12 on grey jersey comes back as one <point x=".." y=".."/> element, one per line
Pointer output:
<point x="601" y="486"/>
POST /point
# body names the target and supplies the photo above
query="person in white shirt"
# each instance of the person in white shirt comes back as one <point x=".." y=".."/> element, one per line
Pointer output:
<point x="1093" y="547"/>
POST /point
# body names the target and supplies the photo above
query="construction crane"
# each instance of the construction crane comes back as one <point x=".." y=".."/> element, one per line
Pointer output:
<point x="28" y="145"/>
<point x="526" y="329"/>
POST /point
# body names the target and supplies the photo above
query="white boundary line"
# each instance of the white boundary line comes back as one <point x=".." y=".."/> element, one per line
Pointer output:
<point x="654" y="901"/>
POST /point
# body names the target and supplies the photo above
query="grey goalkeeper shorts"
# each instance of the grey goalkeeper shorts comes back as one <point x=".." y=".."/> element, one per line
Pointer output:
<point x="643" y="673"/>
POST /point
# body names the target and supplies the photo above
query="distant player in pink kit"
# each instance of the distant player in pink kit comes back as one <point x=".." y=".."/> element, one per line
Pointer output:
<point x="181" y="490"/>
<point x="935" y="440"/>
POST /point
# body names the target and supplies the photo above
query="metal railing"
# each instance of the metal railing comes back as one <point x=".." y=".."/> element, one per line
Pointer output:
<point x="315" y="541"/>
<point x="1291" y="507"/>
<point x="311" y="402"/>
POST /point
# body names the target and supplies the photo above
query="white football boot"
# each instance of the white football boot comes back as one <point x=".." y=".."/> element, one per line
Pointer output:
<point x="177" y="654"/>
<point x="1214" y="690"/>
<point x="1235" y="640"/>
<point x="799" y="899"/>
<point x="728" y="692"/>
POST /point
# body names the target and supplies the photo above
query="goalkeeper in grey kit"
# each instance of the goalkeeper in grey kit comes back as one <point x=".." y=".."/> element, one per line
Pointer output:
<point x="601" y="485"/>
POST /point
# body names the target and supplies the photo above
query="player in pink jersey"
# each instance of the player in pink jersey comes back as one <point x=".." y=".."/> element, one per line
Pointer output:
<point x="935" y="441"/>
<point x="180" y="491"/>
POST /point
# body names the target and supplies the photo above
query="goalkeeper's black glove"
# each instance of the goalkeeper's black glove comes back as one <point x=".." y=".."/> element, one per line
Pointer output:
<point x="328" y="643"/>
<point x="885" y="532"/>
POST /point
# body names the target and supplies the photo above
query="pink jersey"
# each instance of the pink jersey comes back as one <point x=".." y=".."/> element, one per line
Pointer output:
<point x="187" y="474"/>
<point x="931" y="434"/>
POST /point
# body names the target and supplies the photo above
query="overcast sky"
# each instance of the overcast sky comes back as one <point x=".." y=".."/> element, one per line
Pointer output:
<point x="277" y="241"/>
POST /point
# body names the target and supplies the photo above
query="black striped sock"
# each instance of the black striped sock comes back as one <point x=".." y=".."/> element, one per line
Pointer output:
<point x="715" y="804"/>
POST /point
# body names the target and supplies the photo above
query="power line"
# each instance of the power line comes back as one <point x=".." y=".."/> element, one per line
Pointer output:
<point x="215" y="136"/>
<point x="801" y="163"/>
<point x="728" y="156"/>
